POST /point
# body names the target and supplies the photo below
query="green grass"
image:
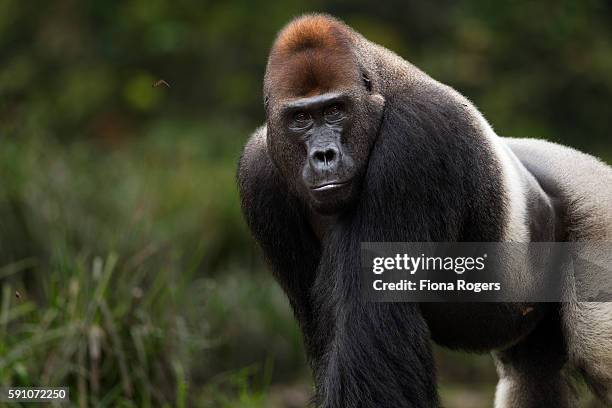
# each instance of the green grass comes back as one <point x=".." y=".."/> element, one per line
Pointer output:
<point x="127" y="275"/>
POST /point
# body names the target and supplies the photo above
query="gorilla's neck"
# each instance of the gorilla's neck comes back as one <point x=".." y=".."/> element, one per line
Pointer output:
<point x="321" y="224"/>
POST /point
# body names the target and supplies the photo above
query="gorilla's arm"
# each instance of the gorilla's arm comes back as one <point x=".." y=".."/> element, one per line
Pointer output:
<point x="376" y="354"/>
<point x="278" y="221"/>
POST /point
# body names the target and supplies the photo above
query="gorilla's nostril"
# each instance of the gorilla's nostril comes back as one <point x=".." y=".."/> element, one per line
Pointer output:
<point x="330" y="154"/>
<point x="325" y="157"/>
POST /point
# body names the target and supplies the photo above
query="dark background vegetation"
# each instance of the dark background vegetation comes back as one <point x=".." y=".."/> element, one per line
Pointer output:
<point x="126" y="270"/>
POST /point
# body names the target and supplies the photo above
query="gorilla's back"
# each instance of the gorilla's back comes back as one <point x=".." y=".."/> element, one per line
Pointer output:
<point x="583" y="184"/>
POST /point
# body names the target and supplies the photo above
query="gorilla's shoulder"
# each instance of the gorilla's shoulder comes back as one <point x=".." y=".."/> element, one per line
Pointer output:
<point x="258" y="179"/>
<point x="254" y="156"/>
<point x="256" y="145"/>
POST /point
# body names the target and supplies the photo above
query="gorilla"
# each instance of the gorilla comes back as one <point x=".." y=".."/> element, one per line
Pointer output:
<point x="361" y="146"/>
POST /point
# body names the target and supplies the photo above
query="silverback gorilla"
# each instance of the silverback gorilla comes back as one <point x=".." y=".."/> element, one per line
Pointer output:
<point x="361" y="146"/>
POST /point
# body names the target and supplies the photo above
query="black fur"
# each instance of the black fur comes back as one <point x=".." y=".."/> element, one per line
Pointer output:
<point x="367" y="354"/>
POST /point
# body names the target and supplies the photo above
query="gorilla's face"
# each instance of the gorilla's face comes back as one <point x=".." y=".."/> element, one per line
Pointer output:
<point x="321" y="144"/>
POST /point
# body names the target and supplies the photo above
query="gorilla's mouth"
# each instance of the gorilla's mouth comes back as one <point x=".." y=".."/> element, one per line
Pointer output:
<point x="330" y="185"/>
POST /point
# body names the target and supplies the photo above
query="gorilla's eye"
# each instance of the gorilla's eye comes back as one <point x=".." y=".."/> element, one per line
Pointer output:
<point x="301" y="117"/>
<point x="333" y="113"/>
<point x="301" y="120"/>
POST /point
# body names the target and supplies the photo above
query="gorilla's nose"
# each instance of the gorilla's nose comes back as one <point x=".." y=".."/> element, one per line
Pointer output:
<point x="324" y="158"/>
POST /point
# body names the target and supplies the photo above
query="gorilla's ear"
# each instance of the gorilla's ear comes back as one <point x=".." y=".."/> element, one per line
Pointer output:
<point x="366" y="82"/>
<point x="377" y="99"/>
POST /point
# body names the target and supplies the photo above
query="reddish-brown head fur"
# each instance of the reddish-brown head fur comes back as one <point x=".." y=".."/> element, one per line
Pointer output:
<point x="312" y="55"/>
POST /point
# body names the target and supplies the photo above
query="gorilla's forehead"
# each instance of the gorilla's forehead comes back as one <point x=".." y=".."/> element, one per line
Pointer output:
<point x="312" y="72"/>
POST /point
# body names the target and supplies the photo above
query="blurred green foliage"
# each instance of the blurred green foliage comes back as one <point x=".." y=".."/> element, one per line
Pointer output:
<point x="76" y="70"/>
<point x="120" y="229"/>
<point x="126" y="278"/>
